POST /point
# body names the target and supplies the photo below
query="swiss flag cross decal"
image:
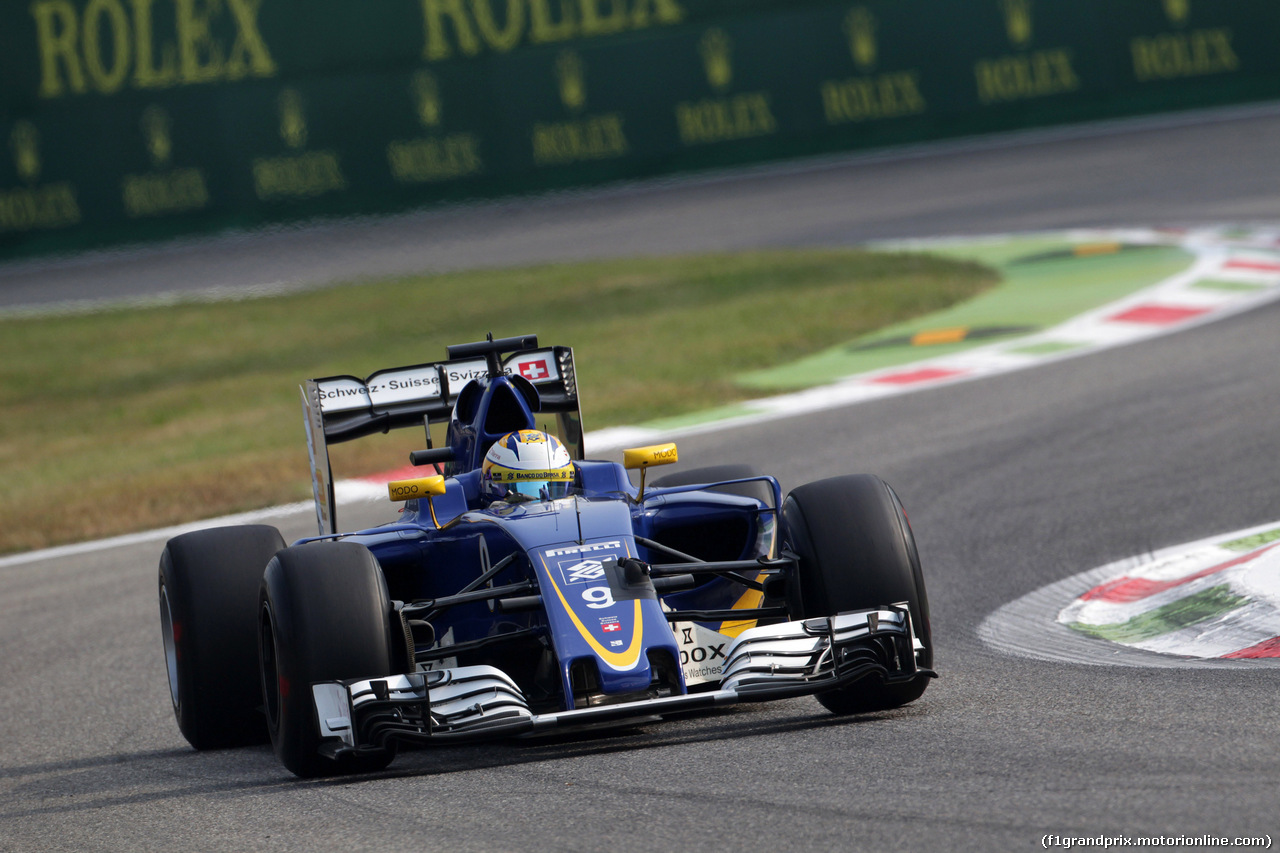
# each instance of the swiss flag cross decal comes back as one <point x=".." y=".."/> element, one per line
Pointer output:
<point x="612" y="626"/>
<point x="534" y="370"/>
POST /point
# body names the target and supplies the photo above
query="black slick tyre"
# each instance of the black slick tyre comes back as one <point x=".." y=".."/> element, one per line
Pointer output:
<point x="323" y="615"/>
<point x="856" y="551"/>
<point x="209" y="583"/>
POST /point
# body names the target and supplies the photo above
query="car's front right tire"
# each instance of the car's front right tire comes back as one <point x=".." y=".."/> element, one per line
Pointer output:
<point x="323" y="615"/>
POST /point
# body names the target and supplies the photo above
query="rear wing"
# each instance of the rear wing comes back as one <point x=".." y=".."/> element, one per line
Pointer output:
<point x="344" y="408"/>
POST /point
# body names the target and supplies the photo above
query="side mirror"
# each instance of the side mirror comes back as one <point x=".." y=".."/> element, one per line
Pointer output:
<point x="646" y="457"/>
<point x="407" y="490"/>
<point x="420" y="487"/>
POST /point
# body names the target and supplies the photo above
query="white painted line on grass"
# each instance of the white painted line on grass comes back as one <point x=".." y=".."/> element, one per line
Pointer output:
<point x="158" y="535"/>
<point x="1179" y="302"/>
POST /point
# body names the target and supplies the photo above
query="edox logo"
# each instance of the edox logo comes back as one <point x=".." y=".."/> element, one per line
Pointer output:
<point x="587" y="570"/>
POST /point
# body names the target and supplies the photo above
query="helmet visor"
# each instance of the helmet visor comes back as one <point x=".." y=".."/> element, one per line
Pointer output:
<point x="543" y="490"/>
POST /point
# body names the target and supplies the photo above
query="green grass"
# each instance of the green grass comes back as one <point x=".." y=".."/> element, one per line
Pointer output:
<point x="132" y="419"/>
<point x="1250" y="543"/>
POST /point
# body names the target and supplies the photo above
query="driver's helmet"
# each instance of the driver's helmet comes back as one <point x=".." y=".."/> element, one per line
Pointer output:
<point x="526" y="465"/>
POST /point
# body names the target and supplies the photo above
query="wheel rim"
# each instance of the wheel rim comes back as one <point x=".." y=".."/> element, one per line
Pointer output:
<point x="270" y="671"/>
<point x="170" y="646"/>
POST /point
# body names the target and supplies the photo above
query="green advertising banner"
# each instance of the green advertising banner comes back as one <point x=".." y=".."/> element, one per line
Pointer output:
<point x="128" y="120"/>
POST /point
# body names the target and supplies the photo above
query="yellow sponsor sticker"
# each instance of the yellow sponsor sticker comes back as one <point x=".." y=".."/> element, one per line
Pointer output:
<point x="1086" y="250"/>
<point x="932" y="337"/>
<point x="498" y="474"/>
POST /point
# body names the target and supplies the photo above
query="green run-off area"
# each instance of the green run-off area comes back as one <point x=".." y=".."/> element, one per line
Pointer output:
<point x="137" y="418"/>
<point x="1044" y="282"/>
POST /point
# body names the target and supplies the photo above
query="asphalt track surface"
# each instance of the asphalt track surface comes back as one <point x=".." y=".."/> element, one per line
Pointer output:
<point x="1011" y="483"/>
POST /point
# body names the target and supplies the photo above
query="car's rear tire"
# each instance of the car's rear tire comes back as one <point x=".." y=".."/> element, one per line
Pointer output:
<point x="856" y="551"/>
<point x="208" y="620"/>
<point x="323" y="615"/>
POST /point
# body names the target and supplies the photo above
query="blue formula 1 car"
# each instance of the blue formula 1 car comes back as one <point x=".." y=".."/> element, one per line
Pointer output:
<point x="525" y="588"/>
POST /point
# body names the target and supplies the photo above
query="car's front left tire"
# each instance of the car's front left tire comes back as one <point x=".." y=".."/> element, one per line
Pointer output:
<point x="208" y="587"/>
<point x="856" y="551"/>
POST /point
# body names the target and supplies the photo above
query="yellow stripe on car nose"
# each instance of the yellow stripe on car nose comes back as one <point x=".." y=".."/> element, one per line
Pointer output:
<point x="621" y="661"/>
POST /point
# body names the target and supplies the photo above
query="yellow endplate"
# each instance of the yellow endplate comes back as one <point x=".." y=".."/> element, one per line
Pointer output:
<point x="655" y="454"/>
<point x="407" y="490"/>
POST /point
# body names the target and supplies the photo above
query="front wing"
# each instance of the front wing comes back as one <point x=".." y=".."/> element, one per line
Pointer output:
<point x="764" y="663"/>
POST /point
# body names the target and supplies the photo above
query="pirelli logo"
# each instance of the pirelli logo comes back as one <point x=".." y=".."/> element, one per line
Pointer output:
<point x="584" y="549"/>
